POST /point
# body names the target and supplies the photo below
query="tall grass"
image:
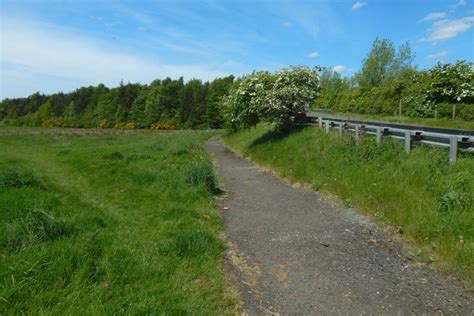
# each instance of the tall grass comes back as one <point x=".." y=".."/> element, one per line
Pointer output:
<point x="430" y="202"/>
<point x="109" y="225"/>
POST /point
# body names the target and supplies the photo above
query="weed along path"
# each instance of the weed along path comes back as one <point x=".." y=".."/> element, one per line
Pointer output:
<point x="291" y="253"/>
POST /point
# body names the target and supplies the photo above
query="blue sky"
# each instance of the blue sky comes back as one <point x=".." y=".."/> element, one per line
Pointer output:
<point x="51" y="46"/>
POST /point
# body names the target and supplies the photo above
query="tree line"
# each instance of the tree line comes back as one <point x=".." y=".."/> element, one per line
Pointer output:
<point x="164" y="103"/>
<point x="388" y="84"/>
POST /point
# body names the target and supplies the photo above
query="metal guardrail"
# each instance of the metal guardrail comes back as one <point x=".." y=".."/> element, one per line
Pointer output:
<point x="451" y="139"/>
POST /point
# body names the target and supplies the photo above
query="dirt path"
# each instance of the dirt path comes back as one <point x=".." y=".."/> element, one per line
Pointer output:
<point x="293" y="254"/>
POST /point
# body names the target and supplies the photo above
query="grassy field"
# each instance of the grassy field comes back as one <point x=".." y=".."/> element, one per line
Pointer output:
<point x="442" y="122"/>
<point x="109" y="224"/>
<point x="429" y="202"/>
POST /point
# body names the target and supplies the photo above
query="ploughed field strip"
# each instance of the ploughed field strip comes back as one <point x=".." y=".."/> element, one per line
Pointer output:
<point x="291" y="253"/>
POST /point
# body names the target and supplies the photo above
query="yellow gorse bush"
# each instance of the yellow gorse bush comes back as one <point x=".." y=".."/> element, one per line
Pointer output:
<point x="103" y="123"/>
<point x="162" y="126"/>
<point x="123" y="125"/>
<point x="54" y="123"/>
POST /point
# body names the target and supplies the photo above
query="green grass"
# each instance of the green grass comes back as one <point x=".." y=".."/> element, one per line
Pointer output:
<point x="110" y="224"/>
<point x="430" y="202"/>
<point x="441" y="122"/>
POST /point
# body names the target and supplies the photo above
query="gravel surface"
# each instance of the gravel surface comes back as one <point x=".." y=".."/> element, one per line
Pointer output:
<point x="293" y="253"/>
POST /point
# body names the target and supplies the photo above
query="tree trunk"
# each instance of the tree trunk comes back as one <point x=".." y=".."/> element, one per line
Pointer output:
<point x="454" y="111"/>
<point x="400" y="107"/>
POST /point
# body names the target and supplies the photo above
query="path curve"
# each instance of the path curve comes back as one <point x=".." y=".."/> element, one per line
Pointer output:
<point x="293" y="254"/>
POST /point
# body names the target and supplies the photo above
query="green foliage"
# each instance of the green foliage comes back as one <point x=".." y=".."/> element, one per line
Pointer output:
<point x="452" y="83"/>
<point x="43" y="113"/>
<point x="218" y="89"/>
<point x="194" y="104"/>
<point x="383" y="64"/>
<point x="334" y="89"/>
<point x="420" y="194"/>
<point x="387" y="84"/>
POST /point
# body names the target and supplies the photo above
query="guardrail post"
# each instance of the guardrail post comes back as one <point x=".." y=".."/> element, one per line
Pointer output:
<point x="327" y="125"/>
<point x="453" y="149"/>
<point x="407" y="141"/>
<point x="339" y="128"/>
<point x="378" y="134"/>
<point x="357" y="133"/>
<point x="320" y="121"/>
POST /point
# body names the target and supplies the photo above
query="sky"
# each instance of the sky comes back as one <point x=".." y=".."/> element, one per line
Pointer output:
<point x="51" y="46"/>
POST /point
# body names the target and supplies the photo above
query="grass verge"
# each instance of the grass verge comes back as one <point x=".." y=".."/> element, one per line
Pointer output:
<point x="110" y="224"/>
<point x="430" y="202"/>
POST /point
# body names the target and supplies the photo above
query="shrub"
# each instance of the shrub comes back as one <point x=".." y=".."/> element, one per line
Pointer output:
<point x="244" y="104"/>
<point x="294" y="89"/>
<point x="466" y="112"/>
<point x="162" y="126"/>
<point x="55" y="122"/>
<point x="123" y="125"/>
<point x="277" y="98"/>
<point x="103" y="123"/>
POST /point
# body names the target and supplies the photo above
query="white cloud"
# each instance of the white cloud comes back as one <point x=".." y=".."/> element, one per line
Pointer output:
<point x="438" y="56"/>
<point x="35" y="56"/>
<point x="446" y="29"/>
<point x="358" y="5"/>
<point x="433" y="16"/>
<point x="313" y="55"/>
<point x="339" y="68"/>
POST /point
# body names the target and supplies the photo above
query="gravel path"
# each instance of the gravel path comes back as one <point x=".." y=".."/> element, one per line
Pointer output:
<point x="291" y="253"/>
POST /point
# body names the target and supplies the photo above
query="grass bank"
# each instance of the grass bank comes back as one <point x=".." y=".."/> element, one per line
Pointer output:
<point x="432" y="122"/>
<point x="429" y="202"/>
<point x="109" y="224"/>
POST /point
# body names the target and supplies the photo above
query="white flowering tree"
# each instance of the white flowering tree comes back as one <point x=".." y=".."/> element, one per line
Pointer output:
<point x="243" y="105"/>
<point x="276" y="98"/>
<point x="294" y="89"/>
<point x="453" y="83"/>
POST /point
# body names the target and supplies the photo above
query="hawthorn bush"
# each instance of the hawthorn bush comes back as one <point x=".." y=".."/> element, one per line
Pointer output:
<point x="275" y="98"/>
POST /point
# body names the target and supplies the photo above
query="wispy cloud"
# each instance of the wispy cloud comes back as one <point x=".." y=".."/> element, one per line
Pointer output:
<point x="287" y="24"/>
<point x="446" y="29"/>
<point x="358" y="5"/>
<point x="140" y="17"/>
<point x="438" y="56"/>
<point x="40" y="57"/>
<point x="313" y="55"/>
<point x="433" y="16"/>
<point x="340" y="68"/>
<point x="312" y="17"/>
<point x="459" y="3"/>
